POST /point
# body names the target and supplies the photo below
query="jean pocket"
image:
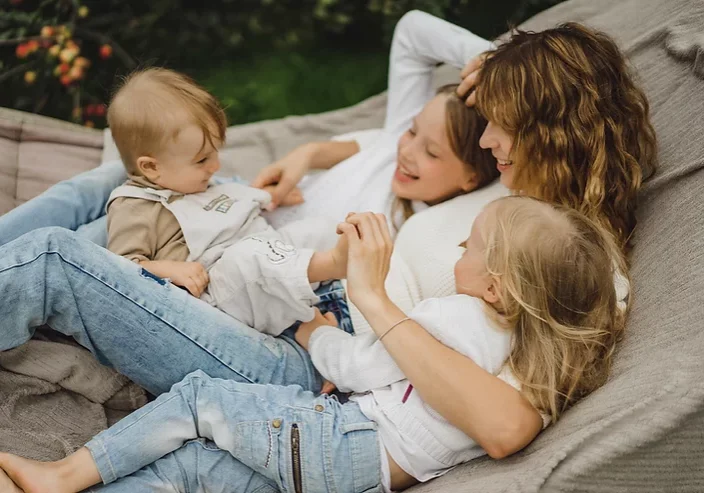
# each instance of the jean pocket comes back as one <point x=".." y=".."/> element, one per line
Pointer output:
<point x="254" y="444"/>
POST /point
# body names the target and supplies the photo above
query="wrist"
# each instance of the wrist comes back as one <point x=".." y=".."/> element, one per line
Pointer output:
<point x="373" y="302"/>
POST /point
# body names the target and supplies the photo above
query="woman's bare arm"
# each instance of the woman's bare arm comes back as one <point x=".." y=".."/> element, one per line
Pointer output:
<point x="486" y="408"/>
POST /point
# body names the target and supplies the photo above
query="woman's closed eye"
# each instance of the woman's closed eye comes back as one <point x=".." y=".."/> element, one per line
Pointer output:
<point x="431" y="154"/>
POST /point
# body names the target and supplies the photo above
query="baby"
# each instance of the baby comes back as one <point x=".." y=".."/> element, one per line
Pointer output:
<point x="175" y="221"/>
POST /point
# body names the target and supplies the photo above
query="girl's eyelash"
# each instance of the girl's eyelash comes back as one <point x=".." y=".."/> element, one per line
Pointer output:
<point x="431" y="154"/>
<point x="203" y="160"/>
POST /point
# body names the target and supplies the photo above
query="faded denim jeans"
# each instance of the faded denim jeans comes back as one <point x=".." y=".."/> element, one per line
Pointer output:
<point x="277" y="438"/>
<point x="144" y="327"/>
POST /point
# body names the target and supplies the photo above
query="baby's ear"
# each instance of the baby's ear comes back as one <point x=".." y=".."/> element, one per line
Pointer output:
<point x="148" y="167"/>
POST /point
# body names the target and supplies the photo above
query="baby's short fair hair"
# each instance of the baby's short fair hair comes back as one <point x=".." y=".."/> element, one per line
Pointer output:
<point x="151" y="106"/>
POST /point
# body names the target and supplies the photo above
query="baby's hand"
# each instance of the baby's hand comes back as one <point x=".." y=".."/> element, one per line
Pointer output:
<point x="190" y="275"/>
<point x="294" y="197"/>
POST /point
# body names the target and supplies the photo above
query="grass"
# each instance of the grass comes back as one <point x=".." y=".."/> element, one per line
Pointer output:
<point x="277" y="84"/>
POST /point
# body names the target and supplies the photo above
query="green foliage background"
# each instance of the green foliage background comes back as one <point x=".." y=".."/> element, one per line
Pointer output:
<point x="263" y="58"/>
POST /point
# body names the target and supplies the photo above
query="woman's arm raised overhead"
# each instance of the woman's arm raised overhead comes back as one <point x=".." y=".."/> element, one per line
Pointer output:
<point x="420" y="43"/>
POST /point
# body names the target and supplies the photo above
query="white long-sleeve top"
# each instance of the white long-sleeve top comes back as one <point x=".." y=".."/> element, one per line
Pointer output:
<point x="423" y="443"/>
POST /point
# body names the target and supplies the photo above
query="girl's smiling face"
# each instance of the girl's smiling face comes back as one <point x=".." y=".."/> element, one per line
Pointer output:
<point x="427" y="167"/>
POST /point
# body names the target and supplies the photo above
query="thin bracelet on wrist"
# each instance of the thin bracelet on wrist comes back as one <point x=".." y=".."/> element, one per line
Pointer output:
<point x="406" y="319"/>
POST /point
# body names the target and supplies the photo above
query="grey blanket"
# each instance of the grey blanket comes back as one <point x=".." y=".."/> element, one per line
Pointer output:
<point x="54" y="396"/>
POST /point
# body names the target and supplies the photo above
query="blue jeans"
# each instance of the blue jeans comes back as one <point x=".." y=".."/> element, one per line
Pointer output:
<point x="144" y="327"/>
<point x="75" y="204"/>
<point x="284" y="438"/>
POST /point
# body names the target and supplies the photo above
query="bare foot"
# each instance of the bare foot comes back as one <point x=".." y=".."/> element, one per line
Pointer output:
<point x="7" y="485"/>
<point x="29" y="476"/>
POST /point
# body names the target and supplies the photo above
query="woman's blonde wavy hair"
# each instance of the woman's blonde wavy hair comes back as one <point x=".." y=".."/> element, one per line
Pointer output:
<point x="555" y="271"/>
<point x="581" y="125"/>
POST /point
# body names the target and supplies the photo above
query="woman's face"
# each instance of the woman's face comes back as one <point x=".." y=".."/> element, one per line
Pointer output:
<point x="427" y="169"/>
<point x="500" y="142"/>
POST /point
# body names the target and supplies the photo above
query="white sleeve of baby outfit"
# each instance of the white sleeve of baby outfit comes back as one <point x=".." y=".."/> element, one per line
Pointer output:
<point x="421" y="42"/>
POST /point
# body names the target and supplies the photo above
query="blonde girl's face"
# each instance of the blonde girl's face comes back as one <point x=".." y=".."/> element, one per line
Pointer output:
<point x="427" y="169"/>
<point x="500" y="142"/>
<point x="472" y="276"/>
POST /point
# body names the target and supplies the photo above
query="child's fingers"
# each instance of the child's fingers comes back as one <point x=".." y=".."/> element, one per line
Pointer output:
<point x="192" y="286"/>
<point x="330" y="316"/>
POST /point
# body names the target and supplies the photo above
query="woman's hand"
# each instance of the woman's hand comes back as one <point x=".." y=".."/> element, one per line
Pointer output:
<point x="306" y="329"/>
<point x="469" y="76"/>
<point x="369" y="259"/>
<point x="285" y="174"/>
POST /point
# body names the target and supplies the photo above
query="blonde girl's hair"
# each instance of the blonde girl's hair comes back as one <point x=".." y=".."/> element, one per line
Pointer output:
<point x="464" y="126"/>
<point x="555" y="269"/>
<point x="581" y="125"/>
<point x="151" y="106"/>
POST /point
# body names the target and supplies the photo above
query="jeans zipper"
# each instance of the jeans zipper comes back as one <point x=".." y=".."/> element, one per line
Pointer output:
<point x="296" y="457"/>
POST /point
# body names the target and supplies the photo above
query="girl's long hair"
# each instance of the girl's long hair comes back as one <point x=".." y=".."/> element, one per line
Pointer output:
<point x="555" y="269"/>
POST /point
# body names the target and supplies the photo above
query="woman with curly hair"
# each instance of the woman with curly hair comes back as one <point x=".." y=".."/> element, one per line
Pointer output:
<point x="567" y="124"/>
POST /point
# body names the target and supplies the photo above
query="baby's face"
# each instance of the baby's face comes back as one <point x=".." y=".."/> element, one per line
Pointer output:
<point x="186" y="165"/>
